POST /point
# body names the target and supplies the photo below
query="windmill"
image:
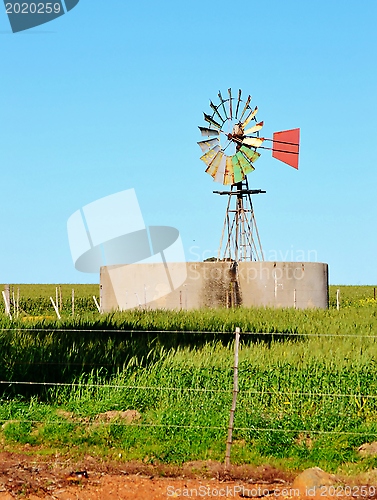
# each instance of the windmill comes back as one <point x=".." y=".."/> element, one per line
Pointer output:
<point x="230" y="151"/>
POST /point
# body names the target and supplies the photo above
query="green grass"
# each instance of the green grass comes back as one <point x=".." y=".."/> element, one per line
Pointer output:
<point x="271" y="378"/>
<point x="36" y="291"/>
<point x="352" y="295"/>
<point x="34" y="300"/>
<point x="305" y="399"/>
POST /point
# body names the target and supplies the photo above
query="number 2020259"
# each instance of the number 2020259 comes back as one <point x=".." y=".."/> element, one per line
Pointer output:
<point x="33" y="8"/>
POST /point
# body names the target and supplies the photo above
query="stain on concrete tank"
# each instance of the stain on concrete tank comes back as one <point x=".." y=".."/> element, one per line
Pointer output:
<point x="221" y="286"/>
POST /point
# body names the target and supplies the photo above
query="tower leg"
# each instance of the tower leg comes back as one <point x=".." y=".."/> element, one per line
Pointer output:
<point x="240" y="229"/>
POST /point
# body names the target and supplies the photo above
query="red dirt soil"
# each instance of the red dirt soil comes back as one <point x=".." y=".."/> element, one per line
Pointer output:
<point x="32" y="477"/>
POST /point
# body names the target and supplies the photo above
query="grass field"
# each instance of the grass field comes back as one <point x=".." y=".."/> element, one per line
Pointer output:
<point x="308" y="381"/>
<point x="34" y="300"/>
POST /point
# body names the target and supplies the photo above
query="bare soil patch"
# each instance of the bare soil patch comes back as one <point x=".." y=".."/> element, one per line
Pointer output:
<point x="34" y="477"/>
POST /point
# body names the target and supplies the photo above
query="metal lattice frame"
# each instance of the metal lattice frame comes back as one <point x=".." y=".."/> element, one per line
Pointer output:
<point x="240" y="232"/>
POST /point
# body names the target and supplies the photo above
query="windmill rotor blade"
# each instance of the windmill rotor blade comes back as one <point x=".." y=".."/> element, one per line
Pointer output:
<point x="245" y="107"/>
<point x="255" y="142"/>
<point x="209" y="156"/>
<point x="233" y="169"/>
<point x="222" y="102"/>
<point x="237" y="169"/>
<point x="238" y="102"/>
<point x="208" y="132"/>
<point x="230" y="103"/>
<point x="211" y="121"/>
<point x="250" y="154"/>
<point x="214" y="165"/>
<point x="250" y="117"/>
<point x="229" y="172"/>
<point x="245" y="164"/>
<point x="209" y="144"/>
<point x="216" y="111"/>
<point x="254" y="129"/>
<point x="219" y="176"/>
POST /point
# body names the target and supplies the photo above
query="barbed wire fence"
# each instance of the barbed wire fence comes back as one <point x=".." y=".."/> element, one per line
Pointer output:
<point x="234" y="392"/>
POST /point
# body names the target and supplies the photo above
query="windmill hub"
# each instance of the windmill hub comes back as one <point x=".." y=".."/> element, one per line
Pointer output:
<point x="236" y="136"/>
<point x="237" y="133"/>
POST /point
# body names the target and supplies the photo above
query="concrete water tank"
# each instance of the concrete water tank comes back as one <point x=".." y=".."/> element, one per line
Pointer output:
<point x="195" y="285"/>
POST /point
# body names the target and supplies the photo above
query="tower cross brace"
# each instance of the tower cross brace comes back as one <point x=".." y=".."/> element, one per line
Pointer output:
<point x="240" y="232"/>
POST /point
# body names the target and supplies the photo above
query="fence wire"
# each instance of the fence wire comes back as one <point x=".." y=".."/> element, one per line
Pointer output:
<point x="186" y="389"/>
<point x="181" y="426"/>
<point x="189" y="389"/>
<point x="186" y="332"/>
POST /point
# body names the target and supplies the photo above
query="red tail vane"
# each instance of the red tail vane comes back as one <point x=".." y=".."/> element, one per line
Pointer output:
<point x="286" y="145"/>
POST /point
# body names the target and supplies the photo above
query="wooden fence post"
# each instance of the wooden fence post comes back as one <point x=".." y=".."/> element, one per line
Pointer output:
<point x="56" y="308"/>
<point x="96" y="303"/>
<point x="234" y="401"/>
<point x="6" y="297"/>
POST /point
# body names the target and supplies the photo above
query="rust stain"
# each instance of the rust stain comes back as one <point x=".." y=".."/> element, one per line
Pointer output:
<point x="250" y="117"/>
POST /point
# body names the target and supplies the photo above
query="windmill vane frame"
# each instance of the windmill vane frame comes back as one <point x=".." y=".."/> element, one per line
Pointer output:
<point x="242" y="242"/>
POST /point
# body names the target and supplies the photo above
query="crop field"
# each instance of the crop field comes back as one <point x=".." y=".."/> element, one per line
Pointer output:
<point x="307" y="381"/>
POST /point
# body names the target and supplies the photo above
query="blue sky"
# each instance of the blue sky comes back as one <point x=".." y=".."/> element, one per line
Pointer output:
<point x="109" y="96"/>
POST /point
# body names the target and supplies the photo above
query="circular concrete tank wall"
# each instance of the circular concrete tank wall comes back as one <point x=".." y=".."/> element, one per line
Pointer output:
<point x="193" y="285"/>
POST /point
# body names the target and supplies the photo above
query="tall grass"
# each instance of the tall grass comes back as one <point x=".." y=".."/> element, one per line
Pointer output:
<point x="308" y="383"/>
<point x="296" y="400"/>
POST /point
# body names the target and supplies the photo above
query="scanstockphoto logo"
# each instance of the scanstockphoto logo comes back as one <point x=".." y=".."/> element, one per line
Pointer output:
<point x="27" y="14"/>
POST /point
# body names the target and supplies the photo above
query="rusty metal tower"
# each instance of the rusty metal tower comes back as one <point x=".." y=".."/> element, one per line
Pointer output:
<point x="230" y="161"/>
<point x="240" y="237"/>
